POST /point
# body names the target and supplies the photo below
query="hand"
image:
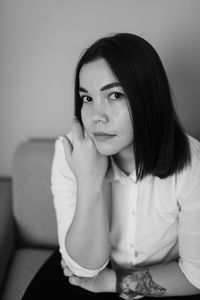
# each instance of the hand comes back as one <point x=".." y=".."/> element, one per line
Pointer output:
<point x="66" y="270"/>
<point x="104" y="282"/>
<point x="87" y="164"/>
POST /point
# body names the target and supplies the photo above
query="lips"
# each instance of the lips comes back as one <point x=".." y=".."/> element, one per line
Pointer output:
<point x="102" y="136"/>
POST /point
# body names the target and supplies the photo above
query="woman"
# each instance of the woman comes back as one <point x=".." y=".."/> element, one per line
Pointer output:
<point x="126" y="183"/>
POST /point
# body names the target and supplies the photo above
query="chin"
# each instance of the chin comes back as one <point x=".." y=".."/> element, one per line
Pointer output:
<point x="107" y="151"/>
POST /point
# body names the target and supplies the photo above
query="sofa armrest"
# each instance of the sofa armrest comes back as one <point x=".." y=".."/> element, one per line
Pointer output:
<point x="7" y="239"/>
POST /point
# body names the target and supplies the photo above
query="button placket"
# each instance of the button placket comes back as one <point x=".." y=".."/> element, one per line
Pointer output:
<point x="133" y="213"/>
<point x="132" y="227"/>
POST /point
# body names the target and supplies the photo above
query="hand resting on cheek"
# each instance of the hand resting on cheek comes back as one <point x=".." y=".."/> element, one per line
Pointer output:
<point x="87" y="164"/>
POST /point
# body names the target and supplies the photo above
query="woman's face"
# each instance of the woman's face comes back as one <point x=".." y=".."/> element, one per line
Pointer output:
<point x="104" y="112"/>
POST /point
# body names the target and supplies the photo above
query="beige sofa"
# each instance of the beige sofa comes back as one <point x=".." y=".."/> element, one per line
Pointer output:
<point x="27" y="219"/>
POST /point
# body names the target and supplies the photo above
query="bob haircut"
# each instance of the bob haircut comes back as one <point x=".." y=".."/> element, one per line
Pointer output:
<point x="160" y="146"/>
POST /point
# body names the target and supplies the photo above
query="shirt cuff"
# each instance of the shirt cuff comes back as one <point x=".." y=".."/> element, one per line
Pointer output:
<point x="191" y="272"/>
<point x="76" y="268"/>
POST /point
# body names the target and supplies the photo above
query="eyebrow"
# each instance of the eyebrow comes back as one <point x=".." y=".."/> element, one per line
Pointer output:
<point x="105" y="87"/>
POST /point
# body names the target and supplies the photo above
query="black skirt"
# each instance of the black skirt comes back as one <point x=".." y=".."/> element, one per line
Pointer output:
<point x="51" y="283"/>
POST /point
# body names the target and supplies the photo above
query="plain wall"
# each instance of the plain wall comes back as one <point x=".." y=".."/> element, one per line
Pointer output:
<point x="40" y="43"/>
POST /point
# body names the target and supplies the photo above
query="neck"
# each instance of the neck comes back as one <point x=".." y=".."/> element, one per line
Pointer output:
<point x="125" y="160"/>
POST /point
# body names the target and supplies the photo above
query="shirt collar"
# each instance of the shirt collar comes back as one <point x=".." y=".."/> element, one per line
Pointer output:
<point x="114" y="173"/>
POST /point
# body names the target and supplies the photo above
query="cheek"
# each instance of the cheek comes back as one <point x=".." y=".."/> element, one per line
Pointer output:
<point x="125" y="124"/>
<point x="129" y="132"/>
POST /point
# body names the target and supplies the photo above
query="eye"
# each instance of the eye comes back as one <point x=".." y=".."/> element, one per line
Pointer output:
<point x="86" y="99"/>
<point x="116" y="96"/>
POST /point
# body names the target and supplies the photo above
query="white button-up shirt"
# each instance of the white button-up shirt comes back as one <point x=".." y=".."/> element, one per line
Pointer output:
<point x="151" y="221"/>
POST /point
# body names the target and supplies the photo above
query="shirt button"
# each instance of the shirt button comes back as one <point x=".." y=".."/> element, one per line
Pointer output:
<point x="136" y="254"/>
<point x="133" y="213"/>
<point x="132" y="245"/>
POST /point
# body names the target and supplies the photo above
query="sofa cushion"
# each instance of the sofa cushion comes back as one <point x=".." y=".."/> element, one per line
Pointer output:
<point x="32" y="198"/>
<point x="7" y="241"/>
<point x="25" y="264"/>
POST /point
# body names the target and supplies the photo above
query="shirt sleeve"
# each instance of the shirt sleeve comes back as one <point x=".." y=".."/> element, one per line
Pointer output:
<point x="189" y="225"/>
<point x="64" y="190"/>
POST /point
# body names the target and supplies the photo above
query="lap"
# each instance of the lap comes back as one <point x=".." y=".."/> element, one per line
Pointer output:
<point x="51" y="283"/>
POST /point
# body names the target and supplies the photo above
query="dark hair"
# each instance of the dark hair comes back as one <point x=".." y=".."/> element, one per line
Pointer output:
<point x="161" y="147"/>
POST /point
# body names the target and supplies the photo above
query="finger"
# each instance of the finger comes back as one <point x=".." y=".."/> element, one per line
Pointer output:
<point x="63" y="264"/>
<point x="67" y="272"/>
<point x="83" y="282"/>
<point x="86" y="135"/>
<point x="77" y="281"/>
<point x="77" y="130"/>
<point x="67" y="145"/>
<point x="74" y="280"/>
<point x="66" y="269"/>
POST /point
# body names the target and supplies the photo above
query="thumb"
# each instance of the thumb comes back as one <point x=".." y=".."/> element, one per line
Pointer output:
<point x="67" y="145"/>
<point x="77" y="130"/>
<point x="86" y="135"/>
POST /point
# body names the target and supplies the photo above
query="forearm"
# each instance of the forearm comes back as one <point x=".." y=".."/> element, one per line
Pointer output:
<point x="87" y="240"/>
<point x="163" y="280"/>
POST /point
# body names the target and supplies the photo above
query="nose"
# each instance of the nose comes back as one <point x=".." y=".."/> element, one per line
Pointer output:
<point x="99" y="113"/>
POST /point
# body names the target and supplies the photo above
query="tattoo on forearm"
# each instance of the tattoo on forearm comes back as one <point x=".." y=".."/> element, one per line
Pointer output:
<point x="132" y="283"/>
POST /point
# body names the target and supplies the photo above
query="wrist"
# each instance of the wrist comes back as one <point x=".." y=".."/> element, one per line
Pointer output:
<point x="123" y="285"/>
<point x="90" y="189"/>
